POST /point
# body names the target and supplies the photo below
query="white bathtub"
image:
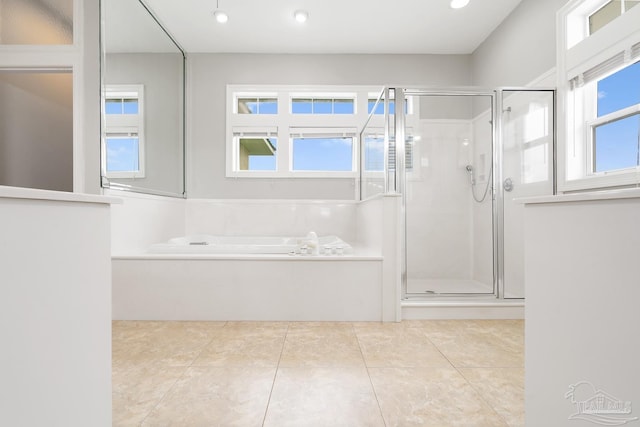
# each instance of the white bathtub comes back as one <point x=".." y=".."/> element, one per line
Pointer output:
<point x="208" y="244"/>
<point x="207" y="277"/>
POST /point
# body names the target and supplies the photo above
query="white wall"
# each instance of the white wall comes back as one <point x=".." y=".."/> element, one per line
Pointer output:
<point x="522" y="48"/>
<point x="210" y="73"/>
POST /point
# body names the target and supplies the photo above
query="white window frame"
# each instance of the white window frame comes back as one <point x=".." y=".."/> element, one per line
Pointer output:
<point x="590" y="127"/>
<point x="579" y="53"/>
<point x="288" y="123"/>
<point x="325" y="96"/>
<point x="120" y="124"/>
<point x="255" y="132"/>
<point x="257" y="95"/>
<point x="411" y="108"/>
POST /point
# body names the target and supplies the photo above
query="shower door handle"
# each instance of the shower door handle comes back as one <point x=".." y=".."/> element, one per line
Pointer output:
<point x="508" y="185"/>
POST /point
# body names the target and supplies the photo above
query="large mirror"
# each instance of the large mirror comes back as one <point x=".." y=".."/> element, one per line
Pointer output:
<point x="143" y="86"/>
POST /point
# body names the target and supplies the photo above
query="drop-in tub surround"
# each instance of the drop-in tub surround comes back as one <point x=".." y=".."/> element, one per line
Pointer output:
<point x="310" y="244"/>
<point x="229" y="266"/>
<point x="247" y="287"/>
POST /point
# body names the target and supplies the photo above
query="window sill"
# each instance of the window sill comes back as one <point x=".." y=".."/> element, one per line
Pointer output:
<point x="289" y="175"/>
<point x="601" y="181"/>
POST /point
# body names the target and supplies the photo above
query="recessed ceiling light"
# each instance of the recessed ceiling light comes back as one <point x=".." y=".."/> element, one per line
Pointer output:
<point x="458" y="4"/>
<point x="301" y="15"/>
<point x="220" y="15"/>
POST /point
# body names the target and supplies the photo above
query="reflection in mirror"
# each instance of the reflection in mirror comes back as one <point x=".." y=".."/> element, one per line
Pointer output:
<point x="143" y="102"/>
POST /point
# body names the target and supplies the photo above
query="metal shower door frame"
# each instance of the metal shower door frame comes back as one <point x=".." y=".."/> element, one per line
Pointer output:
<point x="401" y="178"/>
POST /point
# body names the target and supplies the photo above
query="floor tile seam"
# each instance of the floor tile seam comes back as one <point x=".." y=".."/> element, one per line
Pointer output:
<point x="440" y="351"/>
<point x="481" y="396"/>
<point x="164" y="395"/>
<point x="373" y="388"/>
<point x="323" y="366"/>
<point x="489" y="367"/>
<point x="200" y="351"/>
<point x="275" y="376"/>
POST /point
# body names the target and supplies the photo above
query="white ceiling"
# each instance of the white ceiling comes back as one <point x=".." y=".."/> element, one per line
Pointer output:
<point x="334" y="26"/>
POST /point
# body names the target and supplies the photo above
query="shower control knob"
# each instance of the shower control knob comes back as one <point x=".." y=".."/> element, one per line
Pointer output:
<point x="508" y="185"/>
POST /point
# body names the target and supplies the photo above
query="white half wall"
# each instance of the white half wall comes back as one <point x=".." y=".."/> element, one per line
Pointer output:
<point x="582" y="275"/>
<point x="55" y="309"/>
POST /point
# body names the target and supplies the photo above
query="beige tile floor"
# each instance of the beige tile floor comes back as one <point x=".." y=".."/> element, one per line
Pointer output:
<point x="415" y="373"/>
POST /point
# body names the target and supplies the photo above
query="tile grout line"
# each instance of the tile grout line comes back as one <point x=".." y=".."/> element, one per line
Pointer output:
<point x="275" y="376"/>
<point x="366" y="367"/>
<point x="186" y="368"/>
<point x="480" y="395"/>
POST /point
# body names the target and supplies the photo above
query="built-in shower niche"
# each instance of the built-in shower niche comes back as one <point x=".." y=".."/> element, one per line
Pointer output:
<point x="143" y="72"/>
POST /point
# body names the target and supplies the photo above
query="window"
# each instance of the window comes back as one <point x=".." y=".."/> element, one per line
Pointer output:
<point x="318" y="152"/>
<point x="122" y="152"/>
<point x="124" y="131"/>
<point x="265" y="104"/>
<point x="408" y="154"/>
<point x="308" y="104"/>
<point x="379" y="109"/>
<point x="615" y="133"/>
<point x="373" y="156"/>
<point x="294" y="131"/>
<point x="374" y="152"/>
<point x="255" y="149"/>
<point x="612" y="118"/>
<point x="615" y="144"/>
<point x="608" y="12"/>
<point x="601" y="95"/>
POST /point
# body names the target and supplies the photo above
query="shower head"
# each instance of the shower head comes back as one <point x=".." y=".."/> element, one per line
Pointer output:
<point x="469" y="168"/>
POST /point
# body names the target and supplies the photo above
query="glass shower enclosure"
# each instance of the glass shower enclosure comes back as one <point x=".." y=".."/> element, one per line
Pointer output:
<point x="468" y="155"/>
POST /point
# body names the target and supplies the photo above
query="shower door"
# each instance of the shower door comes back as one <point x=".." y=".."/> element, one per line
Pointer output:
<point x="527" y="133"/>
<point x="468" y="157"/>
<point x="448" y="198"/>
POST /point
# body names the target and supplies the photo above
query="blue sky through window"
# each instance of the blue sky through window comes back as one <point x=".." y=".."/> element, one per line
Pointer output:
<point x="264" y="162"/>
<point x="617" y="144"/>
<point x="380" y="107"/>
<point x="259" y="105"/>
<point x="619" y="90"/>
<point x="374" y="153"/>
<point x="122" y="154"/>
<point x="323" y="154"/>
<point x="121" y="106"/>
<point x="322" y="106"/>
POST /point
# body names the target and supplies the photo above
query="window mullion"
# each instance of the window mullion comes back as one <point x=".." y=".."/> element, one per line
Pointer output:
<point x="284" y="122"/>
